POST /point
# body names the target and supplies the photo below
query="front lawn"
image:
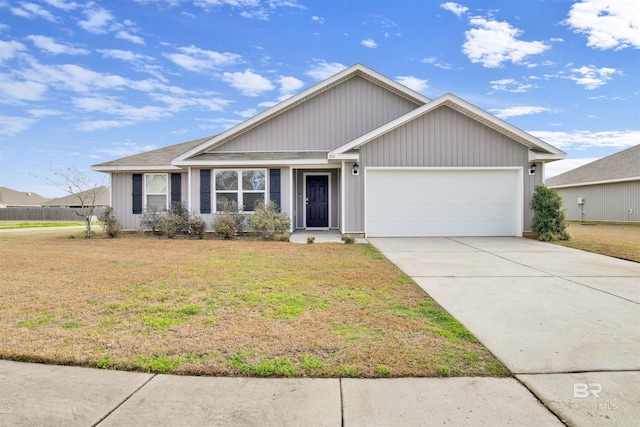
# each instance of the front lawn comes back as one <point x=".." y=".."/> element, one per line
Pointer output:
<point x="228" y="308"/>
<point x="621" y="240"/>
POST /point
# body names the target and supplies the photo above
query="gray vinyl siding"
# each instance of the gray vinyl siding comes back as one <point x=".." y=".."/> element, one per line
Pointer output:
<point x="325" y="121"/>
<point x="441" y="138"/>
<point x="603" y="202"/>
<point x="121" y="202"/>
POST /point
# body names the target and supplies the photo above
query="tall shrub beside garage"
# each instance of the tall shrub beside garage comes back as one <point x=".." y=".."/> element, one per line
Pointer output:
<point x="549" y="222"/>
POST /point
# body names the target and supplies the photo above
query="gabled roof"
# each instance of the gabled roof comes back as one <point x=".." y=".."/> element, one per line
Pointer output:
<point x="539" y="150"/>
<point x="159" y="159"/>
<point x="355" y="70"/>
<point x="101" y="198"/>
<point x="621" y="166"/>
<point x="9" y="197"/>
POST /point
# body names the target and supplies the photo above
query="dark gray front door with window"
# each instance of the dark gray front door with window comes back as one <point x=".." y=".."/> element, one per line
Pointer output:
<point x="317" y="201"/>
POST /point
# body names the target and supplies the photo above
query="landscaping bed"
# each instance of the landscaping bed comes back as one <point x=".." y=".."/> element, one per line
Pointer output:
<point x="226" y="308"/>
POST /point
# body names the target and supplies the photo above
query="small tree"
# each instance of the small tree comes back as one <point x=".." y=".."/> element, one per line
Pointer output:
<point x="78" y="185"/>
<point x="548" y="215"/>
<point x="268" y="221"/>
<point x="109" y="223"/>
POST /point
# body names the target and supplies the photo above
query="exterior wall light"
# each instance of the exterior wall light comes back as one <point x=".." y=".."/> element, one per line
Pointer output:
<point x="532" y="169"/>
<point x="356" y="169"/>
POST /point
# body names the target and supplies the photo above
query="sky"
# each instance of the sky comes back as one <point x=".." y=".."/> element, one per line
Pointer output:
<point x="83" y="83"/>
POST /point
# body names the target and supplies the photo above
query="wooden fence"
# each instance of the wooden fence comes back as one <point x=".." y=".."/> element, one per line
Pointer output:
<point x="45" y="214"/>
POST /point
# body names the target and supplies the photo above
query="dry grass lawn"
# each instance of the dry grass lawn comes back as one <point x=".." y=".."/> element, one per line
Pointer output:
<point x="211" y="307"/>
<point x="616" y="240"/>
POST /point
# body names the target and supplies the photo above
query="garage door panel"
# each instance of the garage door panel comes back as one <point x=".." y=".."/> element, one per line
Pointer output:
<point x="442" y="202"/>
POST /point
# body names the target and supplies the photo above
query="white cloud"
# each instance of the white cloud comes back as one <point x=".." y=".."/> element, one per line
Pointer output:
<point x="504" y="113"/>
<point x="591" y="77"/>
<point x="125" y="35"/>
<point x="317" y="19"/>
<point x="94" y="125"/>
<point x="581" y="139"/>
<point x="562" y="166"/>
<point x="124" y="149"/>
<point x="249" y="112"/>
<point x="32" y="11"/>
<point x="14" y="91"/>
<point x="10" y="49"/>
<point x="200" y="60"/>
<point x="13" y="125"/>
<point x="106" y="105"/>
<point x="48" y="44"/>
<point x="267" y="104"/>
<point x="611" y="24"/>
<point x="248" y="83"/>
<point x="98" y="19"/>
<point x="456" y="8"/>
<point x="43" y="112"/>
<point x="250" y="9"/>
<point x="413" y="82"/>
<point x="289" y="84"/>
<point x="323" y="70"/>
<point x="370" y="43"/>
<point x="434" y="61"/>
<point x="511" y="85"/>
<point x="141" y="63"/>
<point x="491" y="43"/>
<point x="61" y="4"/>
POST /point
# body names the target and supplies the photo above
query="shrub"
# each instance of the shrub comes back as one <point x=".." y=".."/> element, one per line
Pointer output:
<point x="310" y="240"/>
<point x="267" y="221"/>
<point x="170" y="226"/>
<point x="109" y="223"/>
<point x="149" y="220"/>
<point x="197" y="227"/>
<point x="349" y="240"/>
<point x="229" y="221"/>
<point x="548" y="215"/>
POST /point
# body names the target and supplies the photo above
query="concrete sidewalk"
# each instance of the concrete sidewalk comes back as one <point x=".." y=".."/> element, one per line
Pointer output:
<point x="565" y="322"/>
<point x="39" y="395"/>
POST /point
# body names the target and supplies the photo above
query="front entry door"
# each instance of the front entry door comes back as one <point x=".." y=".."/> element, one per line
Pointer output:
<point x="317" y="201"/>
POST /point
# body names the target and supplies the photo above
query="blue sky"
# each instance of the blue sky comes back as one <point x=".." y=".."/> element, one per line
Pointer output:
<point x="86" y="82"/>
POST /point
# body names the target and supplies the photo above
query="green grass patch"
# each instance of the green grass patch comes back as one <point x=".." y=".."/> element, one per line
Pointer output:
<point x="158" y="364"/>
<point x="41" y="319"/>
<point x="5" y="225"/>
<point x="444" y="324"/>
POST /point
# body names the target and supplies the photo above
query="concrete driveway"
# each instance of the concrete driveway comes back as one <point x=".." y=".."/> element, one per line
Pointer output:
<point x="564" y="321"/>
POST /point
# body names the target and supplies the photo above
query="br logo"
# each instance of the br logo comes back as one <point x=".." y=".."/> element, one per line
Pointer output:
<point x="582" y="390"/>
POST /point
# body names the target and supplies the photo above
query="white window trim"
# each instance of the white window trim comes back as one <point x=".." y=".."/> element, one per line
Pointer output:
<point x="145" y="194"/>
<point x="239" y="191"/>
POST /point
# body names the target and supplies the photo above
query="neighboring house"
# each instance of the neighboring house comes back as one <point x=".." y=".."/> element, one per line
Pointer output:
<point x="605" y="190"/>
<point x="98" y="197"/>
<point x="19" y="199"/>
<point x="357" y="152"/>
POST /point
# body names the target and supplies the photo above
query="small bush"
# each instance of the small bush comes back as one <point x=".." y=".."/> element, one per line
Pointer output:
<point x="170" y="225"/>
<point x="197" y="227"/>
<point x="268" y="221"/>
<point x="224" y="226"/>
<point x="310" y="240"/>
<point x="109" y="223"/>
<point x="349" y="240"/>
<point x="548" y="215"/>
<point x="149" y="220"/>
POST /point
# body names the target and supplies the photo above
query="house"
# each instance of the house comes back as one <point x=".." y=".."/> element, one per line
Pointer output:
<point x="19" y="199"/>
<point x="98" y="197"/>
<point x="605" y="190"/>
<point x="357" y="152"/>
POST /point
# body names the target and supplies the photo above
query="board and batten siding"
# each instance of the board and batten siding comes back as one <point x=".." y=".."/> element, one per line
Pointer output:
<point x="603" y="202"/>
<point x="440" y="138"/>
<point x="326" y="121"/>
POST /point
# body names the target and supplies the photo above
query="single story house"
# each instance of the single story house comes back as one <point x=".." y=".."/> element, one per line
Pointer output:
<point x="98" y="197"/>
<point x="19" y="199"/>
<point x="357" y="152"/>
<point x="605" y="190"/>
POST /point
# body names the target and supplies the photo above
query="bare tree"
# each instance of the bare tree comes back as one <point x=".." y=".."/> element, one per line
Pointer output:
<point x="77" y="184"/>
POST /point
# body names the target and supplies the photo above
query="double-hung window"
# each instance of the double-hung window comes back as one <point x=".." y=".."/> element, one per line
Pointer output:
<point x="156" y="191"/>
<point x="245" y="187"/>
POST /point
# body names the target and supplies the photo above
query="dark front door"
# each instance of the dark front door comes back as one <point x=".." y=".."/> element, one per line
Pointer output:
<point x="317" y="201"/>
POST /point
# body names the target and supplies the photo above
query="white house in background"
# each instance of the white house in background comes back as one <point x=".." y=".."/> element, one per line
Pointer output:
<point x="605" y="190"/>
<point x="357" y="152"/>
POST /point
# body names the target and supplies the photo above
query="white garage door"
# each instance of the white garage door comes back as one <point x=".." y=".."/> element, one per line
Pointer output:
<point x="443" y="202"/>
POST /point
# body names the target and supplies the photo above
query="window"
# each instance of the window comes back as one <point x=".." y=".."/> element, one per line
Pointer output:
<point x="245" y="187"/>
<point x="155" y="186"/>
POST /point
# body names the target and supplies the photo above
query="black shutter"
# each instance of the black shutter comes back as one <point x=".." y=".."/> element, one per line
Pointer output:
<point x="274" y="186"/>
<point x="137" y="193"/>
<point x="205" y="191"/>
<point x="176" y="187"/>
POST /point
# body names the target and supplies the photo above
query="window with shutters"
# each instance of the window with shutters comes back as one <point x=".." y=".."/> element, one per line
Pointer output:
<point x="156" y="190"/>
<point x="245" y="187"/>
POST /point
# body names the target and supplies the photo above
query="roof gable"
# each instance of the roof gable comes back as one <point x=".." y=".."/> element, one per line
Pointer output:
<point x="621" y="166"/>
<point x="539" y="150"/>
<point x="357" y="70"/>
<point x="98" y="196"/>
<point x="9" y="197"/>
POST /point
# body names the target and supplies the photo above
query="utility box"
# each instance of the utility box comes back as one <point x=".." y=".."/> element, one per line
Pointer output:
<point x="581" y="200"/>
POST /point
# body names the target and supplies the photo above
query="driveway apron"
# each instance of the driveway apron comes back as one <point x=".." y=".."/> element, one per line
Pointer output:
<point x="564" y="321"/>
